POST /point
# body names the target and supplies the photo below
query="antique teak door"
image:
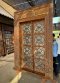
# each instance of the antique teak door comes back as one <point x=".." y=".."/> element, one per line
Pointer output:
<point x="33" y="40"/>
<point x="34" y="45"/>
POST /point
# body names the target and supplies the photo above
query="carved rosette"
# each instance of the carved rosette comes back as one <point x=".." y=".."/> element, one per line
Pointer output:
<point x="27" y="28"/>
<point x="39" y="40"/>
<point x="27" y="40"/>
<point x="39" y="27"/>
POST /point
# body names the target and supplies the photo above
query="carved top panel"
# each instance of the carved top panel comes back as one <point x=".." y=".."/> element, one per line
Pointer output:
<point x="32" y="12"/>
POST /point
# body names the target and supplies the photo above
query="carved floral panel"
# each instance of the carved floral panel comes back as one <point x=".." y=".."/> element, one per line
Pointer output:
<point x="39" y="52"/>
<point x="39" y="40"/>
<point x="27" y="51"/>
<point x="28" y="62"/>
<point x="39" y="64"/>
<point x="39" y="27"/>
<point x="27" y="40"/>
<point x="27" y="28"/>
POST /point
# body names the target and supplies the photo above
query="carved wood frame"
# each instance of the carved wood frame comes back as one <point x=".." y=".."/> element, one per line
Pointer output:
<point x="30" y="15"/>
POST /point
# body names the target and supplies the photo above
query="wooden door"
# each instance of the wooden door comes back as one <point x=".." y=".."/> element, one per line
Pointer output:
<point x="27" y="46"/>
<point x="34" y="45"/>
<point x="39" y="45"/>
<point x="33" y="40"/>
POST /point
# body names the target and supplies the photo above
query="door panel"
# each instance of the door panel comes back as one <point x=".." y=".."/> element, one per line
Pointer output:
<point x="27" y="28"/>
<point x="27" y="59"/>
<point x="39" y="45"/>
<point x="39" y="26"/>
<point x="39" y="65"/>
<point x="39" y="39"/>
<point x="39" y="52"/>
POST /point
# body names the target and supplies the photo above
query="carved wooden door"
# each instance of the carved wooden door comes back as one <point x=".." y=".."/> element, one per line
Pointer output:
<point x="33" y="40"/>
<point x="34" y="45"/>
<point x="27" y="58"/>
<point x="39" y="45"/>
